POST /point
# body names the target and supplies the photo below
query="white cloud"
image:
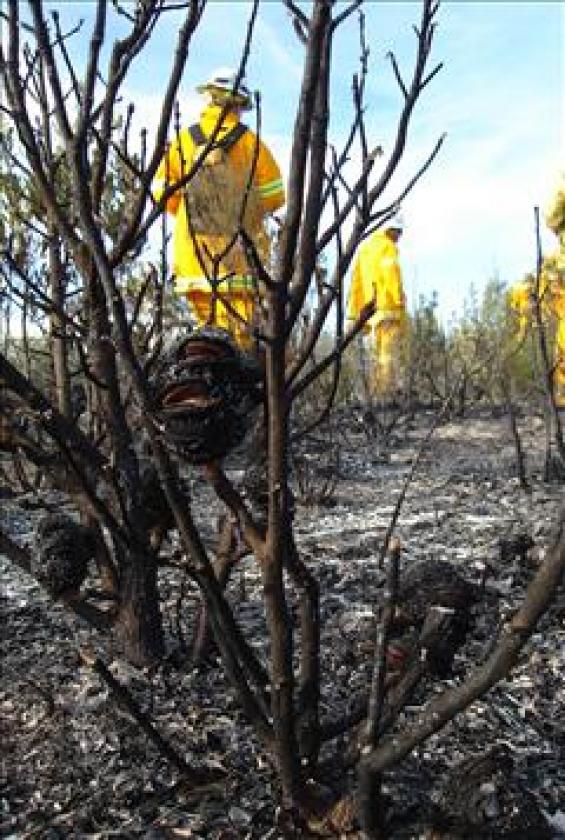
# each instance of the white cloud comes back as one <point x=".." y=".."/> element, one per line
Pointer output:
<point x="148" y="110"/>
<point x="282" y="63"/>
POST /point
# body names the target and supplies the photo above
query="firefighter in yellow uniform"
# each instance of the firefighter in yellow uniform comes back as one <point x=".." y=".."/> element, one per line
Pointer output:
<point x="519" y="298"/>
<point x="551" y="292"/>
<point x="559" y="309"/>
<point x="377" y="276"/>
<point x="219" y="284"/>
<point x="555" y="218"/>
<point x="552" y="298"/>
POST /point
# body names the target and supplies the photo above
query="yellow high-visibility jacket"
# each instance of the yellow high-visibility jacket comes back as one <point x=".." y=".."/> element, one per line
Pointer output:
<point x="555" y="218"/>
<point x="177" y="162"/>
<point x="520" y="303"/>
<point x="559" y="300"/>
<point x="552" y="293"/>
<point x="377" y="276"/>
<point x="559" y="309"/>
<point x="520" y="299"/>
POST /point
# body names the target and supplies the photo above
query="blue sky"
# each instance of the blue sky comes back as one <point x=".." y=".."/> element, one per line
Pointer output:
<point x="500" y="99"/>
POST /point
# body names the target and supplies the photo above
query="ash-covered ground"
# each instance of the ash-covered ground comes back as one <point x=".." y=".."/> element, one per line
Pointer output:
<point x="75" y="764"/>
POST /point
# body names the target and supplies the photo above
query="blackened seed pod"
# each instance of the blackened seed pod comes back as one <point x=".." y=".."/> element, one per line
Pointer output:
<point x="204" y="390"/>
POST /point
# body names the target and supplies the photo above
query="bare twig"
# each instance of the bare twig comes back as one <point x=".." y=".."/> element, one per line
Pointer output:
<point x="376" y="696"/>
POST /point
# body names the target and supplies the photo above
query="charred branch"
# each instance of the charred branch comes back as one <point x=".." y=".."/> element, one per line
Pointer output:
<point x="516" y="633"/>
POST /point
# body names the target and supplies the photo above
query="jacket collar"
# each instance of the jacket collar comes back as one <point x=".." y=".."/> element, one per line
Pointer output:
<point x="210" y="116"/>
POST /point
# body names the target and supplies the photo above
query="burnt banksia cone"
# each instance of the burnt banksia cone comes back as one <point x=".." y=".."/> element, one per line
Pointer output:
<point x="432" y="583"/>
<point x="204" y="391"/>
<point x="482" y="797"/>
<point x="64" y="548"/>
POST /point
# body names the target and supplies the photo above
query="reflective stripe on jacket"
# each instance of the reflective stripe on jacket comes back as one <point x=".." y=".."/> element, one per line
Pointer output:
<point x="234" y="283"/>
<point x="177" y="162"/>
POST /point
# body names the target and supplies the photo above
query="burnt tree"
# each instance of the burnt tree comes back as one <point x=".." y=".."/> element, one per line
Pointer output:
<point x="103" y="466"/>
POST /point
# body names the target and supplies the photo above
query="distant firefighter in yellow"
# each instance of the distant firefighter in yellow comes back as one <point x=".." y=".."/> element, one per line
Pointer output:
<point x="552" y="299"/>
<point x="555" y="218"/>
<point x="238" y="184"/>
<point x="559" y="309"/>
<point x="377" y="276"/>
<point x="520" y="301"/>
<point x="551" y="291"/>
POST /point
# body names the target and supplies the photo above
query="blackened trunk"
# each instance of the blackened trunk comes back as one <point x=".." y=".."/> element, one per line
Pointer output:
<point x="370" y="804"/>
<point x="138" y="624"/>
<point x="278" y="620"/>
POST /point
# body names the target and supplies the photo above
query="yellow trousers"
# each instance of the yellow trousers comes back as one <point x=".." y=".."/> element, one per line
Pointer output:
<point x="559" y="375"/>
<point x="386" y="364"/>
<point x="210" y="312"/>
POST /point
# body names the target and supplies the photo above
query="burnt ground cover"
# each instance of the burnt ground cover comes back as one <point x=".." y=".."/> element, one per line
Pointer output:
<point x="74" y="762"/>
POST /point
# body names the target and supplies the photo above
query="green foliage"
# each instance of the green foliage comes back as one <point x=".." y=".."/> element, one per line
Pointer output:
<point x="488" y="341"/>
<point x="427" y="360"/>
<point x="120" y="188"/>
<point x="37" y="352"/>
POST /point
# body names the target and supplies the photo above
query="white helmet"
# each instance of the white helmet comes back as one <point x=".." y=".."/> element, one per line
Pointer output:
<point x="221" y="85"/>
<point x="396" y="221"/>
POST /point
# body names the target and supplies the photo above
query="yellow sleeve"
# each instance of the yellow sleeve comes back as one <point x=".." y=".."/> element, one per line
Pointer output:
<point x="355" y="290"/>
<point x="519" y="297"/>
<point x="269" y="180"/>
<point x="519" y="301"/>
<point x="360" y="292"/>
<point x="175" y="163"/>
